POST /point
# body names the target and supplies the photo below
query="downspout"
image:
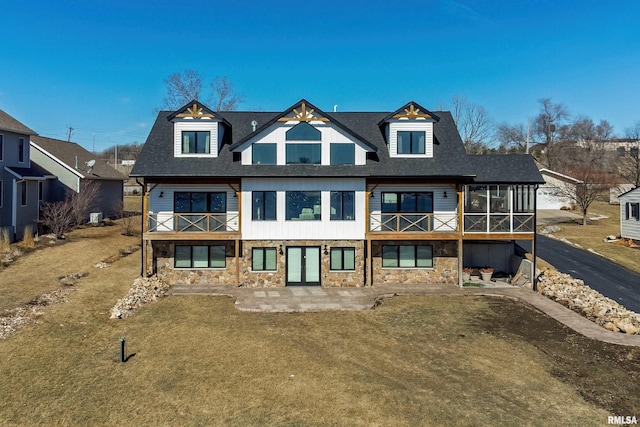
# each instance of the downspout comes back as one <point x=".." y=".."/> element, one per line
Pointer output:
<point x="534" y="279"/>
<point x="144" y="216"/>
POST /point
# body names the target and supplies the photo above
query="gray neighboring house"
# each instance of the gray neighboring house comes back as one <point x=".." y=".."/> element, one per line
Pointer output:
<point x="21" y="182"/>
<point x="630" y="214"/>
<point x="72" y="166"/>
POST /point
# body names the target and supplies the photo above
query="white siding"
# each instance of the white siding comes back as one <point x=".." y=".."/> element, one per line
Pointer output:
<point x="306" y="230"/>
<point x="410" y="125"/>
<point x="196" y="125"/>
<point x="629" y="228"/>
<point x="445" y="209"/>
<point x="330" y="134"/>
<point x="163" y="206"/>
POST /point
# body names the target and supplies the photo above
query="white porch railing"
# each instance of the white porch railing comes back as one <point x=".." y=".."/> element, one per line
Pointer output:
<point x="193" y="222"/>
<point x="412" y="222"/>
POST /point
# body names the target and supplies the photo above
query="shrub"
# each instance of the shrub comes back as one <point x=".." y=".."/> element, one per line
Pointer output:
<point x="5" y="242"/>
<point x="27" y="239"/>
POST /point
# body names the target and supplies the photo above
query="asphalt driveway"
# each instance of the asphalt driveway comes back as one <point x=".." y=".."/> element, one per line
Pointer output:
<point x="609" y="279"/>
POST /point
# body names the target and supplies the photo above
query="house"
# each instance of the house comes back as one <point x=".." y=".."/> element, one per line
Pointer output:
<point x="630" y="214"/>
<point x="307" y="197"/>
<point x="553" y="194"/>
<point x="74" y="167"/>
<point x="21" y="182"/>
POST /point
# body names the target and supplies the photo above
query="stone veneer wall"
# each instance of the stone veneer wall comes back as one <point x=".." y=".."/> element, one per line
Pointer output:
<point x="277" y="278"/>
<point x="163" y="252"/>
<point x="445" y="265"/>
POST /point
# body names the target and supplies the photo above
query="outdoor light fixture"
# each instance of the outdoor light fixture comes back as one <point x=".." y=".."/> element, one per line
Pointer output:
<point x="161" y="194"/>
<point x="280" y="250"/>
<point x="445" y="195"/>
<point x="326" y="251"/>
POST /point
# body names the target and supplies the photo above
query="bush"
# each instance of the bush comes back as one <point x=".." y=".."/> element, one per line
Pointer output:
<point x="28" y="240"/>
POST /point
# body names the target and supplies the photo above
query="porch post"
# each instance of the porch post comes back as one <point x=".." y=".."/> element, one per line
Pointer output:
<point x="237" y="251"/>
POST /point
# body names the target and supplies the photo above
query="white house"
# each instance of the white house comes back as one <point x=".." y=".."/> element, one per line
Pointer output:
<point x="553" y="193"/>
<point x="630" y="214"/>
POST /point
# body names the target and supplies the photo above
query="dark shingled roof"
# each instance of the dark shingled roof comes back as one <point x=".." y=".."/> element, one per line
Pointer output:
<point x="10" y="124"/>
<point x="34" y="172"/>
<point x="449" y="162"/>
<point x="66" y="152"/>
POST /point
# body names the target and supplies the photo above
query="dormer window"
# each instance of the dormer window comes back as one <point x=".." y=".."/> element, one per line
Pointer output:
<point x="196" y="142"/>
<point x="303" y="152"/>
<point x="411" y="142"/>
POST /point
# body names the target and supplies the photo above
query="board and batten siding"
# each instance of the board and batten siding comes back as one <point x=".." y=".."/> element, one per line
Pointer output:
<point x="163" y="206"/>
<point x="410" y="125"/>
<point x="323" y="229"/>
<point x="276" y="134"/>
<point x="445" y="209"/>
<point x="629" y="228"/>
<point x="196" y="125"/>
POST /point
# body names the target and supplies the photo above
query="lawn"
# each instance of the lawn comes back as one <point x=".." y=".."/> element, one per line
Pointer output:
<point x="196" y="360"/>
<point x="593" y="235"/>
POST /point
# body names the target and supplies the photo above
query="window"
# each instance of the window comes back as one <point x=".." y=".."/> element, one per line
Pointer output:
<point x="40" y="191"/>
<point x="200" y="256"/>
<point x="263" y="206"/>
<point x="303" y="131"/>
<point x="342" y="206"/>
<point x="196" y="142"/>
<point x="523" y="198"/>
<point x="1" y="195"/>
<point x="343" y="154"/>
<point x="622" y="151"/>
<point x="407" y="256"/>
<point x="263" y="154"/>
<point x="1" y="147"/>
<point x="263" y="259"/>
<point x="21" y="150"/>
<point x="303" y="206"/>
<point x="499" y="195"/>
<point x="202" y="204"/>
<point x="407" y="211"/>
<point x="303" y="154"/>
<point x="411" y="142"/>
<point x="633" y="152"/>
<point x="23" y="193"/>
<point x="343" y="259"/>
<point x="632" y="211"/>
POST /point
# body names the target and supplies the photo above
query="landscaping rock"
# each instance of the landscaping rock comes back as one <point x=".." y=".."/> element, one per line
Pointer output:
<point x="143" y="291"/>
<point x="574" y="294"/>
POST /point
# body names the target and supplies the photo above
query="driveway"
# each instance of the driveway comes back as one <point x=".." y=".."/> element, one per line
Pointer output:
<point x="610" y="279"/>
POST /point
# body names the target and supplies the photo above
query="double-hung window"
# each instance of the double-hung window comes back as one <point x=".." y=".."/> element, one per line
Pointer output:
<point x="187" y="256"/>
<point x="207" y="211"/>
<point x="343" y="259"/>
<point x="263" y="259"/>
<point x="342" y="206"/>
<point x="196" y="142"/>
<point x="407" y="256"/>
<point x="263" y="206"/>
<point x="411" y="142"/>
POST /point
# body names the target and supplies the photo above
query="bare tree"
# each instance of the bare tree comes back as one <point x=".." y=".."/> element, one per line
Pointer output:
<point x="83" y="201"/>
<point x="593" y="184"/>
<point x="473" y="124"/>
<point x="127" y="218"/>
<point x="57" y="217"/>
<point x="188" y="85"/>
<point x="548" y="122"/>
<point x="604" y="131"/>
<point x="633" y="132"/>
<point x="629" y="168"/>
<point x="512" y="138"/>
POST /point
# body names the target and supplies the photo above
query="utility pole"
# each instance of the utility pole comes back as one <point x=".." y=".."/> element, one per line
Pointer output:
<point x="116" y="157"/>
<point x="69" y="132"/>
<point x="94" y="143"/>
<point x="526" y="150"/>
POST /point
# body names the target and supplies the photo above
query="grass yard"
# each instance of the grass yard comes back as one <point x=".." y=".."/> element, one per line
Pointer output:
<point x="196" y="360"/>
<point x="592" y="235"/>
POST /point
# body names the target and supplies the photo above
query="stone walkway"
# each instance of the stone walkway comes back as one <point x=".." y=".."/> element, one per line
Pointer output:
<point x="306" y="299"/>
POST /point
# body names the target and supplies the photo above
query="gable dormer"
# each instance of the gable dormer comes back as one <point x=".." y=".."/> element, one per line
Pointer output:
<point x="197" y="131"/>
<point x="303" y="134"/>
<point x="409" y="131"/>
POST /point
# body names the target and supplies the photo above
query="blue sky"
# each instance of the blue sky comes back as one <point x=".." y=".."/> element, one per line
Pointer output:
<point x="99" y="66"/>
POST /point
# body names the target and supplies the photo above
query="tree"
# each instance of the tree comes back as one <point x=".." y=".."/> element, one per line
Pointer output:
<point x="60" y="217"/>
<point x="593" y="184"/>
<point x="512" y="138"/>
<point x="186" y="86"/>
<point x="629" y="169"/>
<point x="548" y="122"/>
<point x="473" y="124"/>
<point x="633" y="132"/>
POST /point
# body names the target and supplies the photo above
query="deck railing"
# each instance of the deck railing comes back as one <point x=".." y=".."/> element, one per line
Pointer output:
<point x="388" y="222"/>
<point x="193" y="222"/>
<point x="498" y="223"/>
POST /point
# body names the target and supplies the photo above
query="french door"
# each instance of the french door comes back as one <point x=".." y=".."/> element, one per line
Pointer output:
<point x="303" y="265"/>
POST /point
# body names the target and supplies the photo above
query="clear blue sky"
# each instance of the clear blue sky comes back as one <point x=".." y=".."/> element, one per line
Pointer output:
<point x="99" y="66"/>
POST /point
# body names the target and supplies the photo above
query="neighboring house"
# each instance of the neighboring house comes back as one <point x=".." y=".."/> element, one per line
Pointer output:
<point x="553" y="193"/>
<point x="630" y="214"/>
<point x="74" y="167"/>
<point x="21" y="183"/>
<point x="305" y="197"/>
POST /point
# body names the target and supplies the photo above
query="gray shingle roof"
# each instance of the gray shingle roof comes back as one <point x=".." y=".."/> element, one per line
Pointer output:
<point x="67" y="152"/>
<point x="33" y="172"/>
<point x="449" y="162"/>
<point x="10" y="124"/>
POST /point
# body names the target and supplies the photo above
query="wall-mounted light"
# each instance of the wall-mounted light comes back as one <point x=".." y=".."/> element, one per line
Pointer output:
<point x="326" y="251"/>
<point x="161" y="194"/>
<point x="280" y="250"/>
<point x="445" y="195"/>
<point x="371" y="195"/>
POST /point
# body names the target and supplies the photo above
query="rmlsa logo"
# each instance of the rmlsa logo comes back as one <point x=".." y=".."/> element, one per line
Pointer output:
<point x="620" y="420"/>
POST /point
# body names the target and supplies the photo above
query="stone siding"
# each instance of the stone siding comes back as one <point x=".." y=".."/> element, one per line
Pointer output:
<point x="444" y="270"/>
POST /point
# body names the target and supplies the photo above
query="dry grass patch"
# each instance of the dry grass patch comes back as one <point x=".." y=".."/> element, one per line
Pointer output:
<point x="593" y="235"/>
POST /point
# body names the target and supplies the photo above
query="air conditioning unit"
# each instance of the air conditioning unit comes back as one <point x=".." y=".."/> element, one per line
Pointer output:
<point x="95" y="217"/>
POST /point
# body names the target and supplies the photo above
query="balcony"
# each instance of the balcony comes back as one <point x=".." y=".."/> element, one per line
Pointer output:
<point x="499" y="223"/>
<point x="192" y="225"/>
<point x="388" y="222"/>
